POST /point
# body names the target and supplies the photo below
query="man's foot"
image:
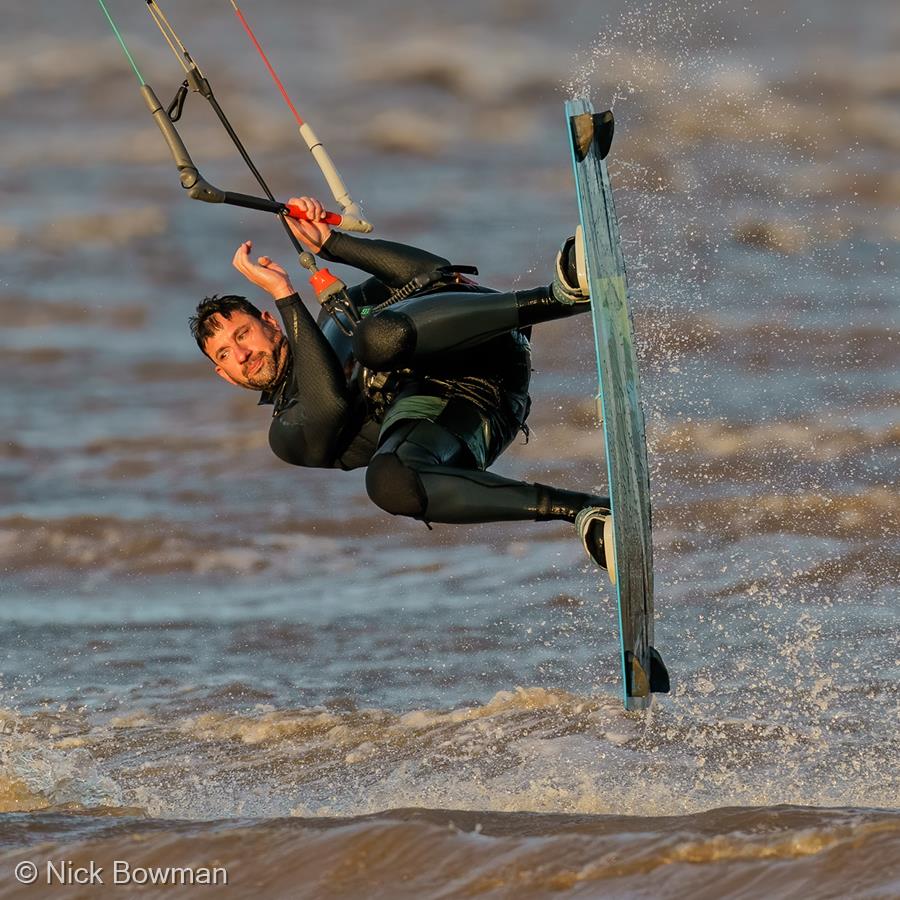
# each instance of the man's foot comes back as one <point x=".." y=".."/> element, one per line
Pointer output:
<point x="594" y="526"/>
<point x="570" y="285"/>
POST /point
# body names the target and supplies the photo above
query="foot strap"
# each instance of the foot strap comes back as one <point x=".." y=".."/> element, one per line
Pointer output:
<point x="595" y="528"/>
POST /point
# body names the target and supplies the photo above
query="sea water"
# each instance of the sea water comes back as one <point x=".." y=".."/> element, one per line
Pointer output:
<point x="209" y="655"/>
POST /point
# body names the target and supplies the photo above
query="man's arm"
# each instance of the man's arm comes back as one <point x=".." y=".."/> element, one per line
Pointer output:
<point x="391" y="263"/>
<point x="308" y="429"/>
<point x="312" y="417"/>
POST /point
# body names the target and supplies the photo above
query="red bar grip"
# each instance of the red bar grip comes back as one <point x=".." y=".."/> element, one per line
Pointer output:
<point x="347" y="223"/>
<point x="296" y="213"/>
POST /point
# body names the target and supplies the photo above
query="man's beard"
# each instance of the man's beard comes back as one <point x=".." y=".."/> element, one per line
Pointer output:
<point x="269" y="372"/>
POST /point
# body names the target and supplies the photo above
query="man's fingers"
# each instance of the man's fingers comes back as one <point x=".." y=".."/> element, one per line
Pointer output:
<point x="242" y="254"/>
<point x="312" y="207"/>
<point x="300" y="202"/>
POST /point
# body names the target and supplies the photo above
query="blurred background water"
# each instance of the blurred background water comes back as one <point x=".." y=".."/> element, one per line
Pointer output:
<point x="192" y="630"/>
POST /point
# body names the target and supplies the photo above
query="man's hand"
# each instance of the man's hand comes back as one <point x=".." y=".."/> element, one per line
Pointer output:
<point x="264" y="273"/>
<point x="314" y="233"/>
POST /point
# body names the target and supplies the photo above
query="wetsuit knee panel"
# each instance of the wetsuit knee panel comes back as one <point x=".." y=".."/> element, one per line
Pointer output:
<point x="395" y="487"/>
<point x="385" y="341"/>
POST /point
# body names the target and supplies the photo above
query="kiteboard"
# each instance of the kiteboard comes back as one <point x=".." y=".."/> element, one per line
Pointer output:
<point x="619" y="405"/>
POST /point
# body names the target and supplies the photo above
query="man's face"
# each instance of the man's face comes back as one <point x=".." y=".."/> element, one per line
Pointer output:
<point x="248" y="352"/>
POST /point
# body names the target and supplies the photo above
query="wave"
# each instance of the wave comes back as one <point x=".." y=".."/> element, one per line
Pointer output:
<point x="779" y="852"/>
<point x="282" y="545"/>
<point x="544" y="750"/>
<point x="76" y="230"/>
<point x="129" y="547"/>
<point x="124" y="547"/>
<point x="19" y="312"/>
<point x="490" y="68"/>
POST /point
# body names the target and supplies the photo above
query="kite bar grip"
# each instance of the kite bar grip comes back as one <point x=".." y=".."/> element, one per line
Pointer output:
<point x="347" y="223"/>
<point x="247" y="201"/>
<point x="335" y="182"/>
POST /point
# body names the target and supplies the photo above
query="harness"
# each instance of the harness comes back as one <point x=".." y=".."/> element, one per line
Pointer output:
<point x="428" y="283"/>
<point x="380" y="388"/>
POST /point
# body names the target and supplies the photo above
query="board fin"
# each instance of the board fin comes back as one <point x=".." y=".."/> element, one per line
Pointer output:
<point x="642" y="684"/>
<point x="604" y="128"/>
<point x="638" y="683"/>
<point x="659" y="674"/>
<point x="592" y="128"/>
<point x="582" y="134"/>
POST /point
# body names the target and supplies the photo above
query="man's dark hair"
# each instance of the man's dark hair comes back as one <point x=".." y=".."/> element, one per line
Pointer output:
<point x="204" y="324"/>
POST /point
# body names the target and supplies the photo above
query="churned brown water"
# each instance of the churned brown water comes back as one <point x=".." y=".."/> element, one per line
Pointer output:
<point x="209" y="658"/>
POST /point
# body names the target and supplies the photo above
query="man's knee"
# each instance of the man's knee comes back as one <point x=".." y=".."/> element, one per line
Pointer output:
<point x="385" y="341"/>
<point x="395" y="487"/>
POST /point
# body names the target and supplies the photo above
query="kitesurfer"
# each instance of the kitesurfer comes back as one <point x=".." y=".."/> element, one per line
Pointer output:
<point x="427" y="390"/>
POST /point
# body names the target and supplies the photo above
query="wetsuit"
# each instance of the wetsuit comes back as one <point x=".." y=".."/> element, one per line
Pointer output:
<point x="451" y="362"/>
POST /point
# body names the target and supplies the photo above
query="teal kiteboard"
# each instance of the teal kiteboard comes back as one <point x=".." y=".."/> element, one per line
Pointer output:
<point x="619" y="405"/>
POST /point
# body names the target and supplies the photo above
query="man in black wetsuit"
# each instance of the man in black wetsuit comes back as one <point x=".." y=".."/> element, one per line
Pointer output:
<point x="427" y="391"/>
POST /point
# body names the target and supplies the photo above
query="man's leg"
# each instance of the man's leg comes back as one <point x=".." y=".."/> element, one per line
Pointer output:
<point x="411" y="331"/>
<point x="423" y="471"/>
